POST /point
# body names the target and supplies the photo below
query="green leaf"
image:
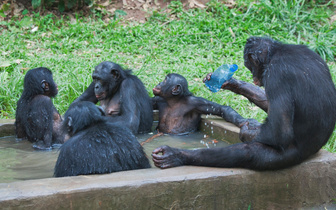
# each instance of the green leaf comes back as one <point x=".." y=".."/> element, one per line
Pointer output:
<point x="24" y="12"/>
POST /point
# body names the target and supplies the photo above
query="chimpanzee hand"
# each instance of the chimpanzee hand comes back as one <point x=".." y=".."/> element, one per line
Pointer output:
<point x="170" y="157"/>
<point x="231" y="84"/>
<point x="249" y="131"/>
<point x="207" y="77"/>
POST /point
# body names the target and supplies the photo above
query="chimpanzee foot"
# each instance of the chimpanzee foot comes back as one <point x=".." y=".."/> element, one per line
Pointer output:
<point x="166" y="157"/>
<point x="247" y="132"/>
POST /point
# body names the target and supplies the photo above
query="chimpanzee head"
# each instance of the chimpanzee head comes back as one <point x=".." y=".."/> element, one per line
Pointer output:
<point x="81" y="115"/>
<point x="174" y="85"/>
<point x="257" y="55"/>
<point x="39" y="81"/>
<point x="107" y="78"/>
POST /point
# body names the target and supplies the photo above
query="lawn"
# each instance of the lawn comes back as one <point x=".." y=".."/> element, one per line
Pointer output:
<point x="189" y="42"/>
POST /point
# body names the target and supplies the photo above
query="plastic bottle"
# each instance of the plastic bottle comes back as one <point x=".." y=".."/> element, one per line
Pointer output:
<point x="222" y="74"/>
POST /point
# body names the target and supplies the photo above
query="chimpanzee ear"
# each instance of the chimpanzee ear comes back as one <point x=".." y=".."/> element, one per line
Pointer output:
<point x="254" y="59"/>
<point x="45" y="86"/>
<point x="115" y="73"/>
<point x="177" y="90"/>
<point x="101" y="110"/>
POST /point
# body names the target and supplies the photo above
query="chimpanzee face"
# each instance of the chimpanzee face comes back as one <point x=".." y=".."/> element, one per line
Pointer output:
<point x="256" y="54"/>
<point x="251" y="62"/>
<point x="173" y="85"/>
<point x="107" y="79"/>
<point x="167" y="87"/>
<point x="157" y="91"/>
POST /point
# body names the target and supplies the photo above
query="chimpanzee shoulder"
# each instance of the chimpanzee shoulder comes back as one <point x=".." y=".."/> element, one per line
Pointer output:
<point x="96" y="144"/>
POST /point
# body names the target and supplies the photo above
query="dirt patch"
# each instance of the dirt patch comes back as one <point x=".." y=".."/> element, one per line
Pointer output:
<point x="137" y="10"/>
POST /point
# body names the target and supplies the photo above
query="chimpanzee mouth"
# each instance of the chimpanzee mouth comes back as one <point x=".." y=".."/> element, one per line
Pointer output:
<point x="156" y="91"/>
<point x="100" y="96"/>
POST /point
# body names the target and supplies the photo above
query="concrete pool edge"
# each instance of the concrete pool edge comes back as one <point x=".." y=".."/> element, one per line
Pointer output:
<point x="309" y="184"/>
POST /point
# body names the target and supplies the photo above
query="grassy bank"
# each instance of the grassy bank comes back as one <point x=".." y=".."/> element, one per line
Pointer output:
<point x="191" y="43"/>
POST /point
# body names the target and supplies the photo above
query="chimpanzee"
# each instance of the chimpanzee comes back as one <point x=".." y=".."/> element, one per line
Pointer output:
<point x="36" y="116"/>
<point x="180" y="111"/>
<point x="96" y="144"/>
<point x="122" y="95"/>
<point x="301" y="101"/>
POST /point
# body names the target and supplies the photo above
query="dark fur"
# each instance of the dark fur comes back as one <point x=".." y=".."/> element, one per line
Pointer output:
<point x="96" y="146"/>
<point x="36" y="116"/>
<point x="180" y="112"/>
<point x="301" y="112"/>
<point x="122" y="95"/>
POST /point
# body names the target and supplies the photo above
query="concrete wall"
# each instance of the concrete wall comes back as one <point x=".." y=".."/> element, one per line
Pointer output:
<point x="310" y="184"/>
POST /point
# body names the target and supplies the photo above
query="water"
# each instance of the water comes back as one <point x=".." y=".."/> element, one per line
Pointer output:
<point x="195" y="140"/>
<point x="19" y="161"/>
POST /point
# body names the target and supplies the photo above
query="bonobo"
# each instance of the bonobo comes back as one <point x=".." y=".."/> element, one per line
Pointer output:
<point x="96" y="144"/>
<point x="180" y="111"/>
<point x="36" y="116"/>
<point x="122" y="96"/>
<point x="301" y="101"/>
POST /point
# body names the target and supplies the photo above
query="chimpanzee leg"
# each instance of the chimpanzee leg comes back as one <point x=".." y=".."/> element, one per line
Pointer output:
<point x="252" y="155"/>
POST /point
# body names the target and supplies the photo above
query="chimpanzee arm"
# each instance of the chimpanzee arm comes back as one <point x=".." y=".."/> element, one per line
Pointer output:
<point x="252" y="92"/>
<point x="88" y="95"/>
<point x="41" y="118"/>
<point x="58" y="134"/>
<point x="278" y="129"/>
<point x="155" y="100"/>
<point x="20" y="132"/>
<point x="129" y="106"/>
<point x="204" y="106"/>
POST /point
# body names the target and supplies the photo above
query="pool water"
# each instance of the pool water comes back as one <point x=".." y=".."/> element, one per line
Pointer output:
<point x="19" y="161"/>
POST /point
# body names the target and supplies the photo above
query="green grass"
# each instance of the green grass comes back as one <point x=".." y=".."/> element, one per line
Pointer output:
<point x="191" y="43"/>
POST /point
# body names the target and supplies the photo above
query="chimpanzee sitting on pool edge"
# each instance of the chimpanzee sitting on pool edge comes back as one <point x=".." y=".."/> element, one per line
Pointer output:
<point x="301" y="101"/>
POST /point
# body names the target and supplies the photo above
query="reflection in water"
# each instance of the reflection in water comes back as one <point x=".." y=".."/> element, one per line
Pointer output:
<point x="19" y="161"/>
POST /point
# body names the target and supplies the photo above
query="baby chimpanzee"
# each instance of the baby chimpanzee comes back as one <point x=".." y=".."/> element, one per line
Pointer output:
<point x="36" y="116"/>
<point x="96" y="144"/>
<point x="180" y="111"/>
